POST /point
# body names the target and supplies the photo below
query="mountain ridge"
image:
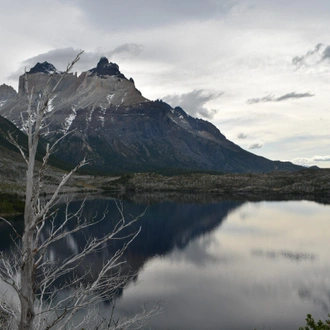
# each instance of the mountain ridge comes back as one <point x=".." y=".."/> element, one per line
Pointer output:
<point x="118" y="129"/>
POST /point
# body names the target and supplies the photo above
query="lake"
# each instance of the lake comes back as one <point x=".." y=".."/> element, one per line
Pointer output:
<point x="221" y="265"/>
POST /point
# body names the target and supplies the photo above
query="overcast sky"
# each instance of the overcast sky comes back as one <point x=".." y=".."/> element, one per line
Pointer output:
<point x="257" y="69"/>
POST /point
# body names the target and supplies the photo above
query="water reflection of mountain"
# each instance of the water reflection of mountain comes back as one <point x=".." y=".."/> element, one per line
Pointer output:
<point x="164" y="226"/>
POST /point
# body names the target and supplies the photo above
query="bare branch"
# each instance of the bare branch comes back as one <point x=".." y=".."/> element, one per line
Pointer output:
<point x="49" y="293"/>
<point x="42" y="215"/>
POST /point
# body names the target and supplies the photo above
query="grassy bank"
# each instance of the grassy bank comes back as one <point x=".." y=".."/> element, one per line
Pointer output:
<point x="307" y="181"/>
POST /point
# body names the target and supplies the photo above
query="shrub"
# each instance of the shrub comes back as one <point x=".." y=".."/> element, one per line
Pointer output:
<point x="311" y="324"/>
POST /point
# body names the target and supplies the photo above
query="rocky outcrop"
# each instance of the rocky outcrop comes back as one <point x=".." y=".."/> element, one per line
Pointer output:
<point x="7" y="93"/>
<point x="118" y="129"/>
<point x="45" y="67"/>
<point x="104" y="68"/>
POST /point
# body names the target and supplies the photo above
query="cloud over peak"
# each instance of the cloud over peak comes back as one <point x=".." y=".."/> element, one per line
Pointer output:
<point x="60" y="57"/>
<point x="194" y="102"/>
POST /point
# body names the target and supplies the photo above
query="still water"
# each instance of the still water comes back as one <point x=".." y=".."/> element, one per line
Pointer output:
<point x="222" y="265"/>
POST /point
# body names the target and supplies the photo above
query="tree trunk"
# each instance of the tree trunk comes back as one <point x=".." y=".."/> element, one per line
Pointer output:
<point x="27" y="289"/>
<point x="27" y="266"/>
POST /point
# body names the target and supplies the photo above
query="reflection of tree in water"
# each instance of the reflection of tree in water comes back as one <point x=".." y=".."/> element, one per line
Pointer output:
<point x="164" y="226"/>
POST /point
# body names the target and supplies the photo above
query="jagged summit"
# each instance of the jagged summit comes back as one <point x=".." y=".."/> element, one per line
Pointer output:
<point x="44" y="67"/>
<point x="106" y="68"/>
<point x="119" y="130"/>
<point x="6" y="93"/>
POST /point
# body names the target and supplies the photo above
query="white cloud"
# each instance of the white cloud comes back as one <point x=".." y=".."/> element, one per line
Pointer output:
<point x="62" y="56"/>
<point x="322" y="158"/>
<point x="322" y="161"/>
<point x="241" y="48"/>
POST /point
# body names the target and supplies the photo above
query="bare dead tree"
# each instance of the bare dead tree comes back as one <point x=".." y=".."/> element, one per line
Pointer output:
<point x="31" y="275"/>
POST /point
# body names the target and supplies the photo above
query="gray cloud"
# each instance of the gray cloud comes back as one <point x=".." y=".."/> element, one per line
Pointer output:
<point x="272" y="98"/>
<point x="321" y="158"/>
<point x="194" y="102"/>
<point x="127" y="50"/>
<point x="128" y="15"/>
<point x="255" y="145"/>
<point x="293" y="96"/>
<point x="61" y="57"/>
<point x="268" y="98"/>
<point x="326" y="53"/>
<point x="311" y="160"/>
<point x="313" y="57"/>
<point x="241" y="136"/>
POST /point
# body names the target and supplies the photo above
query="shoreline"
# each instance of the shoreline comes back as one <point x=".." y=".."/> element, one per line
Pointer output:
<point x="307" y="184"/>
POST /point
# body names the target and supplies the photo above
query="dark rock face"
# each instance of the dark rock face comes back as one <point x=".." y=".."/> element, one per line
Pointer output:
<point x="44" y="67"/>
<point x="104" y="68"/>
<point x="119" y="130"/>
<point x="7" y="126"/>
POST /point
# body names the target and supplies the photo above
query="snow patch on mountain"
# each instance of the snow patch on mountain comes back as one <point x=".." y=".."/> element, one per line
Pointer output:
<point x="122" y="100"/>
<point x="25" y="123"/>
<point x="69" y="120"/>
<point x="89" y="118"/>
<point x="103" y="111"/>
<point x="109" y="97"/>
<point x="101" y="120"/>
<point x="50" y="106"/>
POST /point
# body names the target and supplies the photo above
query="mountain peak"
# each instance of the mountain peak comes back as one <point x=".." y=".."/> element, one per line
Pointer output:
<point x="6" y="93"/>
<point x="121" y="131"/>
<point x="44" y="67"/>
<point x="106" y="68"/>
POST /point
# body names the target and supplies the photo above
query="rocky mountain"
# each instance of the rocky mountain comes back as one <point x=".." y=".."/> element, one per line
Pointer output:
<point x="6" y="93"/>
<point x="119" y="130"/>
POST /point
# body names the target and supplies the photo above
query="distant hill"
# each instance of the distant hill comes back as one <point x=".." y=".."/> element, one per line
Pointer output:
<point x="7" y="126"/>
<point x="9" y="150"/>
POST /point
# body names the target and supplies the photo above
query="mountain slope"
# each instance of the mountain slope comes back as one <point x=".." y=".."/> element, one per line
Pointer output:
<point x="118" y="129"/>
